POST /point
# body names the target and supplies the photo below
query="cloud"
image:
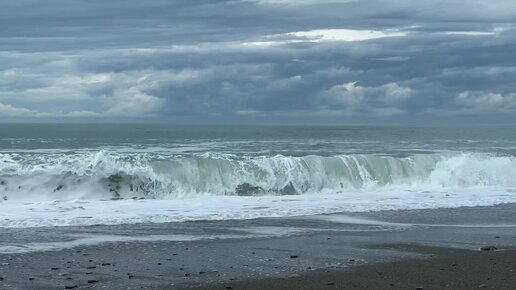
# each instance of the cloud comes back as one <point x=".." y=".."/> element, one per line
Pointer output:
<point x="486" y="100"/>
<point x="301" y="2"/>
<point x="321" y="35"/>
<point x="133" y="103"/>
<point x="11" y="111"/>
<point x="344" y="34"/>
<point x="259" y="61"/>
<point x="351" y="98"/>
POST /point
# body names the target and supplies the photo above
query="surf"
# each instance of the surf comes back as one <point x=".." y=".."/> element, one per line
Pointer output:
<point x="121" y="175"/>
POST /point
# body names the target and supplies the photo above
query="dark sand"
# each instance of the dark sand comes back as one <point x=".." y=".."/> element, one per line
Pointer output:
<point x="446" y="269"/>
<point x="432" y="249"/>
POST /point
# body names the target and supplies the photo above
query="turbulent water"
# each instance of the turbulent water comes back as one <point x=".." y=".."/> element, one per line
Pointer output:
<point x="52" y="173"/>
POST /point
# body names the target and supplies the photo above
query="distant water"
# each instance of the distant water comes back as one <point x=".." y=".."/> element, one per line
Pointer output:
<point x="110" y="174"/>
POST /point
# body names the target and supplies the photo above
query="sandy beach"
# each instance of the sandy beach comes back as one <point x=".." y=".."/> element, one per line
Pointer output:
<point x="430" y="249"/>
<point x="444" y="268"/>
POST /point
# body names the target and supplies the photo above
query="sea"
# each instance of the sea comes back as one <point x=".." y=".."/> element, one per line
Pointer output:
<point x="54" y="175"/>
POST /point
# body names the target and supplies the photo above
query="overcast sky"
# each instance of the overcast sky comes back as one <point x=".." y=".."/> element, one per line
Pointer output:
<point x="258" y="61"/>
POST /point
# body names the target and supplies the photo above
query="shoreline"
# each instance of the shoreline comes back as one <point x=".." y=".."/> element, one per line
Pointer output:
<point x="275" y="253"/>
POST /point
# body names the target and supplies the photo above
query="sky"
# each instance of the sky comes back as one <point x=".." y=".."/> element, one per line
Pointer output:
<point x="258" y="61"/>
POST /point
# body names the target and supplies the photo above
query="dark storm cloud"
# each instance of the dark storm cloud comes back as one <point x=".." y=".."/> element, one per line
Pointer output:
<point x="258" y="61"/>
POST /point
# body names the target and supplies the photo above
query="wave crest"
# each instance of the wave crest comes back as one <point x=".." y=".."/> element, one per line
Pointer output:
<point x="140" y="175"/>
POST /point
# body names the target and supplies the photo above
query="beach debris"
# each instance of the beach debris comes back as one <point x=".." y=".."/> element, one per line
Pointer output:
<point x="58" y="188"/>
<point x="130" y="275"/>
<point x="92" y="281"/>
<point x="331" y="283"/>
<point x="489" y="248"/>
<point x="352" y="260"/>
<point x="294" y="257"/>
<point x="187" y="274"/>
<point x="54" y="268"/>
<point x="91" y="267"/>
<point x="106" y="264"/>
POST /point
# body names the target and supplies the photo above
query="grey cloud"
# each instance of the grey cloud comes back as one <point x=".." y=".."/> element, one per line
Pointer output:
<point x="236" y="61"/>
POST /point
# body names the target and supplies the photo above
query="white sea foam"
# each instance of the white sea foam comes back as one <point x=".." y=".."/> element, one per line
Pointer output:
<point x="92" y="212"/>
<point x="75" y="189"/>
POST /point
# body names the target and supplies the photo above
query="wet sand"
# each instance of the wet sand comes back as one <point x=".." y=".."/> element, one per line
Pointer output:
<point x="431" y="249"/>
<point x="446" y="268"/>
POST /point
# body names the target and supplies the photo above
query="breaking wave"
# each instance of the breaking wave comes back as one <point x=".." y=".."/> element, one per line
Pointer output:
<point x="105" y="175"/>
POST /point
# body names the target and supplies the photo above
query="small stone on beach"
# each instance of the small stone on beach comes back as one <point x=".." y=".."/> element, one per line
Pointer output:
<point x="293" y="257"/>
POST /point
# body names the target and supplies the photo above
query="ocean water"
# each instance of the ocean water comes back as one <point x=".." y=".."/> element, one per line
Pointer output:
<point x="65" y="174"/>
